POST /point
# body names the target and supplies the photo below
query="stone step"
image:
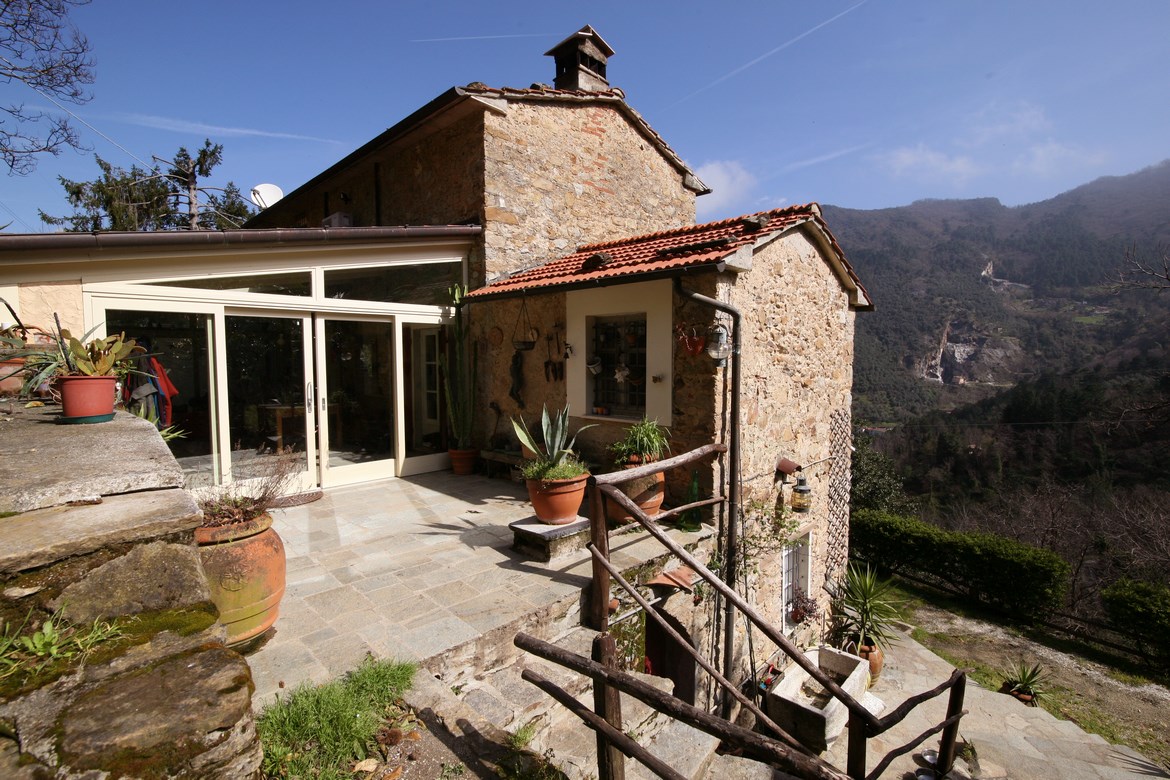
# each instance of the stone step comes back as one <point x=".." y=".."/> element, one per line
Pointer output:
<point x="724" y="767"/>
<point x="686" y="749"/>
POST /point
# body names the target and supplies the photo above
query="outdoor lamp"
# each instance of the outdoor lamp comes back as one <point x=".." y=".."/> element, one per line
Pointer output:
<point x="718" y="345"/>
<point x="801" y="496"/>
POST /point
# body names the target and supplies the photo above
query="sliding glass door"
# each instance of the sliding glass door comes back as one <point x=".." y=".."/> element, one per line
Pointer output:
<point x="355" y="375"/>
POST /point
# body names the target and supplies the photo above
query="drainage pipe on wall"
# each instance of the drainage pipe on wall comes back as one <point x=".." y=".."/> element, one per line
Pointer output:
<point x="733" y="496"/>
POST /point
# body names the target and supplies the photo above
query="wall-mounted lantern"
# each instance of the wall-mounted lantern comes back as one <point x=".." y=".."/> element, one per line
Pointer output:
<point x="801" y="496"/>
<point x="718" y="344"/>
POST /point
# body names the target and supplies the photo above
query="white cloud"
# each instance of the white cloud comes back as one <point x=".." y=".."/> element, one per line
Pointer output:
<point x="924" y="163"/>
<point x="213" y="131"/>
<point x="999" y="123"/>
<point x="730" y="183"/>
<point x="1053" y="158"/>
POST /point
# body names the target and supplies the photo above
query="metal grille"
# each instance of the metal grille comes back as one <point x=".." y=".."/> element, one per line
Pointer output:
<point x="837" y="532"/>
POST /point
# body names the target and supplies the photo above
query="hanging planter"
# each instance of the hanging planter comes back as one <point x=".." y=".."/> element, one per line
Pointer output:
<point x="523" y="334"/>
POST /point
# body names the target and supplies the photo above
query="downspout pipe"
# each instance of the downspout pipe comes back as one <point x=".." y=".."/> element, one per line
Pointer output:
<point x="733" y="496"/>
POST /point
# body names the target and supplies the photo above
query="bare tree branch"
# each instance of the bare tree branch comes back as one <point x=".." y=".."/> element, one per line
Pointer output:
<point x="41" y="49"/>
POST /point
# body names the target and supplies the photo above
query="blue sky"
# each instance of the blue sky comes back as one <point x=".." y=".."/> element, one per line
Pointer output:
<point x="860" y="104"/>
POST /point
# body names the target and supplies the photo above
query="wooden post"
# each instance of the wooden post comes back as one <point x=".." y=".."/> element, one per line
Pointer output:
<point x="607" y="703"/>
<point x="598" y="617"/>
<point x="855" y="762"/>
<point x="946" y="748"/>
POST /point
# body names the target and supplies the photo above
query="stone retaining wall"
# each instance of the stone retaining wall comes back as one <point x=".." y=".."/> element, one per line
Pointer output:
<point x="162" y="698"/>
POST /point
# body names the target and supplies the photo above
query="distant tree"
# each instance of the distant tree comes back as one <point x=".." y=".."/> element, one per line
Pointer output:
<point x="877" y="484"/>
<point x="117" y="200"/>
<point x="1141" y="272"/>
<point x="158" y="199"/>
<point x="41" y="49"/>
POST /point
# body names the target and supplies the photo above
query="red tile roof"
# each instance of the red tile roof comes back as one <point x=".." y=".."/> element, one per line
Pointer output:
<point x="693" y="246"/>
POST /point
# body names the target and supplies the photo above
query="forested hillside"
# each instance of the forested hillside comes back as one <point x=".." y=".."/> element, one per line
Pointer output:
<point x="972" y="296"/>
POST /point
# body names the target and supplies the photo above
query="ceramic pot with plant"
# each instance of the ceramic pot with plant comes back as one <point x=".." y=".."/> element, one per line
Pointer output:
<point x="867" y="616"/>
<point x="645" y="442"/>
<point x="1023" y="682"/>
<point x="555" y="477"/>
<point x="459" y="387"/>
<point x="243" y="557"/>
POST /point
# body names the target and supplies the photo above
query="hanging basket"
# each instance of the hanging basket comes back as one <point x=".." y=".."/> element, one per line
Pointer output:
<point x="523" y="334"/>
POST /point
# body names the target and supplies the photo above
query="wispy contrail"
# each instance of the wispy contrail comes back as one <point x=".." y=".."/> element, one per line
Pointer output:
<point x="201" y="128"/>
<point x="767" y="54"/>
<point x="479" y="38"/>
<point x="811" y="161"/>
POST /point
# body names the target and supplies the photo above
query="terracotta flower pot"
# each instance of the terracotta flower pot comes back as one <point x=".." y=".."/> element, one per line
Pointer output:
<point x="876" y="658"/>
<point x="648" y="493"/>
<point x="87" y="398"/>
<point x="463" y="461"/>
<point x="557" y="501"/>
<point x="245" y="567"/>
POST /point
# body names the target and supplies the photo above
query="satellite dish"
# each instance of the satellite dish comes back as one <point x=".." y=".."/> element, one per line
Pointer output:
<point x="264" y="195"/>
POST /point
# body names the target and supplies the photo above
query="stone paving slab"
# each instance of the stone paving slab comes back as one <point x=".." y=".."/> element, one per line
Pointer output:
<point x="412" y="569"/>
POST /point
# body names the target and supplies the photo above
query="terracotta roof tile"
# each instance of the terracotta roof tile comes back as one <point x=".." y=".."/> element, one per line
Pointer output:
<point x="692" y="246"/>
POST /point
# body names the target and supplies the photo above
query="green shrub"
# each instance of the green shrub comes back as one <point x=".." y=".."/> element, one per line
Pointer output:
<point x="1142" y="610"/>
<point x="1024" y="581"/>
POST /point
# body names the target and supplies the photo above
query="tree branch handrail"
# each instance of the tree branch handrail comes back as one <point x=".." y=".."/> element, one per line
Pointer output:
<point x="597" y="723"/>
<point x="898" y="714"/>
<point x="657" y="466"/>
<point x="734" y="690"/>
<point x="893" y="754"/>
<point x="855" y="707"/>
<point x="755" y="746"/>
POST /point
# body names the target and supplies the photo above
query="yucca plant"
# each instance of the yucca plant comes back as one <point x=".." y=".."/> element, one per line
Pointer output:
<point x="864" y="608"/>
<point x="1023" y="682"/>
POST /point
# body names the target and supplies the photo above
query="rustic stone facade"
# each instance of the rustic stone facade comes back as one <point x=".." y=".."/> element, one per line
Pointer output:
<point x="559" y="175"/>
<point x="162" y="698"/>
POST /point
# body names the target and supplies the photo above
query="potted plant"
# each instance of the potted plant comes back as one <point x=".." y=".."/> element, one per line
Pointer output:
<point x="867" y="616"/>
<point x="645" y="441"/>
<point x="555" y="477"/>
<point x="802" y="608"/>
<point x="1023" y="682"/>
<point x="459" y="385"/>
<point x="243" y="556"/>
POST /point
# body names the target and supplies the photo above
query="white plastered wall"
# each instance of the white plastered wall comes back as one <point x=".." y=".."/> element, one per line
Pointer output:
<point x="652" y="298"/>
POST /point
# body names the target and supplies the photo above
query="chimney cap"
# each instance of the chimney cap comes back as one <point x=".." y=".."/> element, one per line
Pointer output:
<point x="586" y="33"/>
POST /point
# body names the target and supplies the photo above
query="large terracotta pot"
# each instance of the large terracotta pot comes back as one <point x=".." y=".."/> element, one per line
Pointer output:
<point x="87" y="398"/>
<point x="648" y="493"/>
<point x="245" y="567"/>
<point x="557" y="501"/>
<point x="463" y="461"/>
<point x="876" y="658"/>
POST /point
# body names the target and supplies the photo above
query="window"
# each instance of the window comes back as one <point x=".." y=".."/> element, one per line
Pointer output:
<point x="795" y="561"/>
<point x="617" y="365"/>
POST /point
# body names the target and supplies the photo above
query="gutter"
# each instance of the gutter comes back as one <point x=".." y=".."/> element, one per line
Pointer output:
<point x="733" y="495"/>
<point x="25" y="242"/>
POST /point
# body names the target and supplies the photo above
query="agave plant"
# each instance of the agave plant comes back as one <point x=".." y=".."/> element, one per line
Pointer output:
<point x="555" y="450"/>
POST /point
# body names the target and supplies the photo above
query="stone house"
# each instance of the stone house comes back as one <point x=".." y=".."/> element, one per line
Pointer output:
<point x="572" y="221"/>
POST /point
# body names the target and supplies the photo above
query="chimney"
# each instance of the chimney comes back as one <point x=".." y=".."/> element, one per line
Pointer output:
<point x="580" y="60"/>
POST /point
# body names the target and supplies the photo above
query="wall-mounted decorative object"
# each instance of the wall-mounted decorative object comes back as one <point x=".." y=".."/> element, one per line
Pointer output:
<point x="523" y="334"/>
<point x="801" y="496"/>
<point x="718" y="344"/>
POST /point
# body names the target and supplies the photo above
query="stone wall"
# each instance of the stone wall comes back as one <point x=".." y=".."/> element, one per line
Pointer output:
<point x="797" y="378"/>
<point x="560" y="175"/>
<point x="160" y="698"/>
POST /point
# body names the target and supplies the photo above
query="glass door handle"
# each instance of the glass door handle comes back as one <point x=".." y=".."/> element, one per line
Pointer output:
<point x="308" y="397"/>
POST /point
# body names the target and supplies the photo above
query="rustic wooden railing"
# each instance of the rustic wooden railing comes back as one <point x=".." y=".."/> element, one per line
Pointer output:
<point x="781" y="750"/>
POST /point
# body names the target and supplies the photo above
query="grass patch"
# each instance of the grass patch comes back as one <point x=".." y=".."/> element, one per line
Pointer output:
<point x="318" y="731"/>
